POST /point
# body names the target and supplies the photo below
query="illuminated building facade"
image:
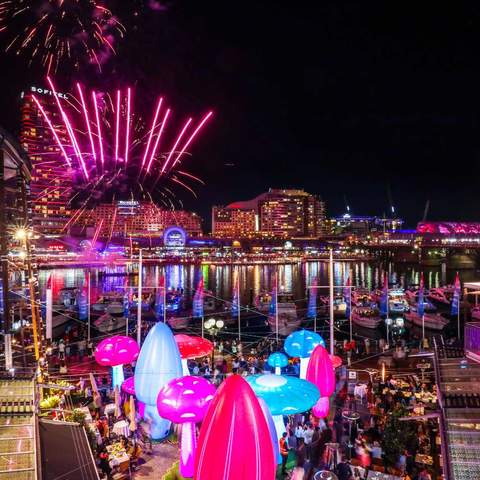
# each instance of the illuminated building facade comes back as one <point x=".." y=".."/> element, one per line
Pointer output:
<point x="359" y="225"/>
<point x="234" y="222"/>
<point x="51" y="184"/>
<point x="278" y="213"/>
<point x="132" y="218"/>
<point x="449" y="228"/>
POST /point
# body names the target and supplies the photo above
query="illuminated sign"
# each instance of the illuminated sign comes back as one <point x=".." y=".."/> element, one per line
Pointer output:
<point x="174" y="237"/>
<point x="46" y="91"/>
<point x="128" y="207"/>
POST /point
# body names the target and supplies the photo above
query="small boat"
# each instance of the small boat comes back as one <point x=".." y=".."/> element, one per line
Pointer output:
<point x="288" y="320"/>
<point x="109" y="303"/>
<point x="108" y="323"/>
<point x="440" y="295"/>
<point x="432" y="321"/>
<point x="174" y="300"/>
<point x="209" y="303"/>
<point x="412" y="298"/>
<point x="366" y="317"/>
<point x="263" y="301"/>
<point x="361" y="296"/>
<point x="147" y="302"/>
<point x="397" y="302"/>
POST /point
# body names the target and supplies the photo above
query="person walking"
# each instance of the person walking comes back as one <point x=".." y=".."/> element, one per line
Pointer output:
<point x="284" y="452"/>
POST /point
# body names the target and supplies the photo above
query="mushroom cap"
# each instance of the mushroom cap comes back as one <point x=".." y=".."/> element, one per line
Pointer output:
<point x="128" y="386"/>
<point x="116" y="350"/>
<point x="284" y="395"/>
<point x="235" y="419"/>
<point x="277" y="359"/>
<point x="302" y="342"/>
<point x="320" y="371"/>
<point x="185" y="399"/>
<point x="193" y="347"/>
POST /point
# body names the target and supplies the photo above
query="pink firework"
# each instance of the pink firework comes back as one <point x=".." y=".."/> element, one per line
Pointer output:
<point x="109" y="154"/>
<point x="57" y="32"/>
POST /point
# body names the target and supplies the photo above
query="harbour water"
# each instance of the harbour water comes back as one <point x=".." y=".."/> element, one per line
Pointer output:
<point x="219" y="281"/>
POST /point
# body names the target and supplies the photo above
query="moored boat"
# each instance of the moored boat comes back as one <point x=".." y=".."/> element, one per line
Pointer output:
<point x="431" y="321"/>
<point x="366" y="317"/>
<point x="288" y="320"/>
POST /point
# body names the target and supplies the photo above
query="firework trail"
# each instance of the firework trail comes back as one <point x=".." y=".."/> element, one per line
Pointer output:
<point x="106" y="154"/>
<point x="60" y="32"/>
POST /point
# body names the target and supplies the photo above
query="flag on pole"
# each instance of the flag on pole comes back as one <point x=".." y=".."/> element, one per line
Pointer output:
<point x="347" y="294"/>
<point x="83" y="300"/>
<point x="421" y="301"/>
<point x="384" y="297"/>
<point x="456" y="296"/>
<point x="160" y="298"/>
<point x="198" y="299"/>
<point x="48" y="308"/>
<point x="273" y="302"/>
<point x="235" y="297"/>
<point x="312" y="299"/>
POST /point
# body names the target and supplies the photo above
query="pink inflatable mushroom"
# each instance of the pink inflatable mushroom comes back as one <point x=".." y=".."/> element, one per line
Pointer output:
<point x="114" y="352"/>
<point x="192" y="347"/>
<point x="320" y="372"/>
<point x="185" y="400"/>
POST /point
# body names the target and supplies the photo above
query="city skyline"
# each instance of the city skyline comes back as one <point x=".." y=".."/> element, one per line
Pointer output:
<point x="369" y="124"/>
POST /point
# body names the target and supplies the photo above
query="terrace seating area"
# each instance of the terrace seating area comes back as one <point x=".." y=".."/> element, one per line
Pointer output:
<point x="459" y="384"/>
<point x="17" y="430"/>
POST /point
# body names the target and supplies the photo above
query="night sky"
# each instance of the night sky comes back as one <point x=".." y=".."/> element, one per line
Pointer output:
<point x="342" y="99"/>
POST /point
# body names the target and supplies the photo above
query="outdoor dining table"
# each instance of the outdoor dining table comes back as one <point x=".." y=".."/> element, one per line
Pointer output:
<point x="121" y="428"/>
<point x="120" y="457"/>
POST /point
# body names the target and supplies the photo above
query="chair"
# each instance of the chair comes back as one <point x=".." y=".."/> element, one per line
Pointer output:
<point x="122" y="471"/>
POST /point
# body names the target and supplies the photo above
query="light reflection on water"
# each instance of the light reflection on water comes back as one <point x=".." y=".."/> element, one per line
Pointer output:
<point x="254" y="279"/>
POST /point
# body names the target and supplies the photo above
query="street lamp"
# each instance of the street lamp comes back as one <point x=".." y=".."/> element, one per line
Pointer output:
<point x="388" y="323"/>
<point x="213" y="327"/>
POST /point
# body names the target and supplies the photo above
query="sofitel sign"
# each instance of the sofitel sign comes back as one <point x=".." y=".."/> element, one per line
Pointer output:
<point x="45" y="91"/>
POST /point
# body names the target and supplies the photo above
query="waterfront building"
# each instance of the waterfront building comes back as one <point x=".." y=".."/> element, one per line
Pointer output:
<point x="132" y="218"/>
<point x="361" y="225"/>
<point x="51" y="183"/>
<point x="278" y="213"/>
<point x="228" y="222"/>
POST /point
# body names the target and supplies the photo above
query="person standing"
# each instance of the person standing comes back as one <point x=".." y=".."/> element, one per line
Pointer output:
<point x="284" y="452"/>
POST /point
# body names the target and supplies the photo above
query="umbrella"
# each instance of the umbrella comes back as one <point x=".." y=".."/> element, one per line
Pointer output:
<point x="117" y="403"/>
<point x="94" y="384"/>
<point x="133" y="423"/>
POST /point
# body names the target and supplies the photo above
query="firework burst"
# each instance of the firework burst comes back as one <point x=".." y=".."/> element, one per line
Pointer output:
<point x="109" y="152"/>
<point x="56" y="32"/>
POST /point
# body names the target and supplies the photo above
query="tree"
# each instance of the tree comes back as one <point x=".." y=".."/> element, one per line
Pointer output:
<point x="397" y="436"/>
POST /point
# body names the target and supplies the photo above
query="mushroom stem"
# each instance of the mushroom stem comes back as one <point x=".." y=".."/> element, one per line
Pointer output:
<point x="279" y="425"/>
<point x="188" y="445"/>
<point x="185" y="369"/>
<point x="303" y="367"/>
<point x="278" y="371"/>
<point x="117" y="376"/>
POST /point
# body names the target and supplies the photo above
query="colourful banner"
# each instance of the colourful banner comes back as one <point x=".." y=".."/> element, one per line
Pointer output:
<point x="384" y="297"/>
<point x="83" y="300"/>
<point x="347" y="294"/>
<point x="421" y="300"/>
<point x="273" y="302"/>
<point x="456" y="297"/>
<point x="235" y="297"/>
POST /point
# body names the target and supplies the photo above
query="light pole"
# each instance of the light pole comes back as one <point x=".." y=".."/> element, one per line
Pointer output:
<point x="213" y="327"/>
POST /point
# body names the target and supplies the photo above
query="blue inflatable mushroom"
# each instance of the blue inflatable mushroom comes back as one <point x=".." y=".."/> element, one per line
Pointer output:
<point x="284" y="396"/>
<point x="277" y="360"/>
<point x="301" y="344"/>
<point x="158" y="363"/>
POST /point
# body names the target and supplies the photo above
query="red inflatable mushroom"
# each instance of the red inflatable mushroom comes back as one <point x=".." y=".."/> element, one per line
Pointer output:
<point x="192" y="347"/>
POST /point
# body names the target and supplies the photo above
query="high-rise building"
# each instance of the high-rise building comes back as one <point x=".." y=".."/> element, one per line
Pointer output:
<point x="278" y="213"/>
<point x="132" y="218"/>
<point x="51" y="183"/>
<point x="230" y="222"/>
